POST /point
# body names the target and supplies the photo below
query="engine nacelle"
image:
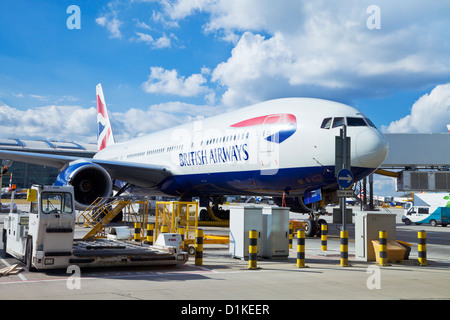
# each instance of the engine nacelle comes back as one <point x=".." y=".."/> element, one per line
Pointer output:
<point x="89" y="180"/>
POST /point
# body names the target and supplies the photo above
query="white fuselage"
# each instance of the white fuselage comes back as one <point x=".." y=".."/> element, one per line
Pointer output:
<point x="266" y="148"/>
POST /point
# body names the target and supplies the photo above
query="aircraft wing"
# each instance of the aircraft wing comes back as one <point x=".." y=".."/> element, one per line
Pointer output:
<point x="143" y="175"/>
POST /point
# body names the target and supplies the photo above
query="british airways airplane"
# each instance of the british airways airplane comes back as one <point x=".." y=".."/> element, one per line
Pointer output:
<point x="274" y="148"/>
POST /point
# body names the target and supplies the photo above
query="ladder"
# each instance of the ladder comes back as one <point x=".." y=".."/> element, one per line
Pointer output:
<point x="100" y="213"/>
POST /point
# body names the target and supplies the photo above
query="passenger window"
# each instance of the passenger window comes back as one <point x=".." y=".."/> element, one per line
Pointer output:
<point x="326" y="124"/>
<point x="423" y="210"/>
<point x="356" y="122"/>
<point x="339" y="121"/>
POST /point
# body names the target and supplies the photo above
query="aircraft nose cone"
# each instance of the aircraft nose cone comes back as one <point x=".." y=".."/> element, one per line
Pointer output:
<point x="371" y="148"/>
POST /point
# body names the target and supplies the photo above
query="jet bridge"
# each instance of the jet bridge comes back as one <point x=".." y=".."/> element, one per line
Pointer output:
<point x="421" y="161"/>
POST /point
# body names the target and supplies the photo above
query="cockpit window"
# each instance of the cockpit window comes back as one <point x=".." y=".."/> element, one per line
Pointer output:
<point x="326" y="124"/>
<point x="356" y="122"/>
<point x="339" y="121"/>
<point x="370" y="123"/>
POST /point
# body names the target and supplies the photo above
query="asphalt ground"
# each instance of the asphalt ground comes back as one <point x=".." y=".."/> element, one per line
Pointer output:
<point x="224" y="282"/>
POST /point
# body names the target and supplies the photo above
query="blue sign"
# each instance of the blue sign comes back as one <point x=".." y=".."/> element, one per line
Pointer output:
<point x="345" y="178"/>
<point x="312" y="196"/>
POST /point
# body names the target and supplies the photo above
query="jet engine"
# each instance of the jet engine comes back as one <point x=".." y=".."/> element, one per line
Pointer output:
<point x="89" y="181"/>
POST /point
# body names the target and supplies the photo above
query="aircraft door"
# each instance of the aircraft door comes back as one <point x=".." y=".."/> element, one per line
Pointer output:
<point x="269" y="145"/>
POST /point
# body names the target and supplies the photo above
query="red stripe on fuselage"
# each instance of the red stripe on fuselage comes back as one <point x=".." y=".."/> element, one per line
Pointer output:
<point x="269" y="119"/>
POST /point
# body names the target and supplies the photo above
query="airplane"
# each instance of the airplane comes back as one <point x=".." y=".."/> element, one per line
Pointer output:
<point x="282" y="148"/>
<point x="7" y="191"/>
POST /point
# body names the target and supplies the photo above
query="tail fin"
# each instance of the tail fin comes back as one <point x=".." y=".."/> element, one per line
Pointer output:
<point x="105" y="136"/>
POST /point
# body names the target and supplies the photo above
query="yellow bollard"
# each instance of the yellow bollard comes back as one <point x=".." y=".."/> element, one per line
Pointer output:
<point x="422" y="247"/>
<point x="301" y="249"/>
<point x="199" y="247"/>
<point x="324" y="236"/>
<point x="150" y="228"/>
<point x="383" y="248"/>
<point x="137" y="231"/>
<point x="344" y="249"/>
<point x="164" y="229"/>
<point x="253" y="250"/>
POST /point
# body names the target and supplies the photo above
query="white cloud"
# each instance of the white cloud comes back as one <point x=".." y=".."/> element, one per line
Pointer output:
<point x="160" y="43"/>
<point x="168" y="82"/>
<point x="112" y="25"/>
<point x="78" y="124"/>
<point x="322" y="48"/>
<point x="51" y="122"/>
<point x="431" y="113"/>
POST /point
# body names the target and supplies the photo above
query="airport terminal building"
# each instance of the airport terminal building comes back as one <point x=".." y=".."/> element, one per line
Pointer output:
<point x="25" y="174"/>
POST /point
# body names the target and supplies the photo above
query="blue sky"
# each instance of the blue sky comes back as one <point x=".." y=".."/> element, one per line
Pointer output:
<point x="163" y="62"/>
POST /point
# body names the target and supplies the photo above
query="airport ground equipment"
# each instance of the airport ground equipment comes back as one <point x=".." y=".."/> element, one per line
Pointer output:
<point x="424" y="214"/>
<point x="390" y="252"/>
<point x="242" y="221"/>
<point x="367" y="227"/>
<point x="105" y="210"/>
<point x="43" y="238"/>
<point x="176" y="215"/>
<point x="276" y="234"/>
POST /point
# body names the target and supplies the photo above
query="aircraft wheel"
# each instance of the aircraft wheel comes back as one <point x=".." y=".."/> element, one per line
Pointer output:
<point x="29" y="256"/>
<point x="310" y="228"/>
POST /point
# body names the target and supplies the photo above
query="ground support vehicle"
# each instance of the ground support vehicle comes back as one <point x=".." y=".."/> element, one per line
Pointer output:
<point x="44" y="238"/>
<point x="424" y="214"/>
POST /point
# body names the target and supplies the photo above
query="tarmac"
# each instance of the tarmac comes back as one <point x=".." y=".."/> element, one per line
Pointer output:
<point x="222" y="279"/>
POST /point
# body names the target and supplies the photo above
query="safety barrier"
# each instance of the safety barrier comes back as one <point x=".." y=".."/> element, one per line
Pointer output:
<point x="137" y="232"/>
<point x="422" y="247"/>
<point x="301" y="249"/>
<point x="253" y="250"/>
<point x="324" y="236"/>
<point x="344" y="249"/>
<point x="383" y="248"/>
<point x="150" y="228"/>
<point x="199" y="247"/>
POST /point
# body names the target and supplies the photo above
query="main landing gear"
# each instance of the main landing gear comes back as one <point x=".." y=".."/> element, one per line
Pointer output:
<point x="313" y="226"/>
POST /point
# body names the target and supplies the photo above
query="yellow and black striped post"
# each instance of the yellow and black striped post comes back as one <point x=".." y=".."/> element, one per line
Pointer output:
<point x="253" y="250"/>
<point x="291" y="234"/>
<point x="324" y="236"/>
<point x="301" y="248"/>
<point x="137" y="231"/>
<point x="164" y="229"/>
<point x="150" y="228"/>
<point x="344" y="249"/>
<point x="422" y="247"/>
<point x="383" y="248"/>
<point x="199" y="247"/>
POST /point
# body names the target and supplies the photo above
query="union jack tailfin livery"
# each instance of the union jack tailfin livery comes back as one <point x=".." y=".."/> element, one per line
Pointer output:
<point x="105" y="136"/>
